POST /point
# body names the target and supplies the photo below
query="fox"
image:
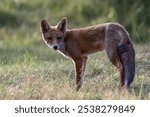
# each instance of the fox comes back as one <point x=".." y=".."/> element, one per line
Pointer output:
<point x="79" y="43"/>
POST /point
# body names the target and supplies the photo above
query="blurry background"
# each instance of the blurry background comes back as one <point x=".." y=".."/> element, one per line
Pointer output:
<point x="25" y="58"/>
<point x="25" y="15"/>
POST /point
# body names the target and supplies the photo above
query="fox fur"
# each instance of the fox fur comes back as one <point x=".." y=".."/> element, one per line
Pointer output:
<point x="79" y="43"/>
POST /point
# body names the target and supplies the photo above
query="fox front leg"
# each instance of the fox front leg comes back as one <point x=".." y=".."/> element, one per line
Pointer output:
<point x="80" y="65"/>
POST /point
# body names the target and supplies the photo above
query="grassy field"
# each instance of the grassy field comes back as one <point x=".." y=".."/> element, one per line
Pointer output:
<point x="36" y="72"/>
<point x="30" y="70"/>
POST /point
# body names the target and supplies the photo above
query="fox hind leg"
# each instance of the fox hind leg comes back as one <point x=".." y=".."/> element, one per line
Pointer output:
<point x="115" y="60"/>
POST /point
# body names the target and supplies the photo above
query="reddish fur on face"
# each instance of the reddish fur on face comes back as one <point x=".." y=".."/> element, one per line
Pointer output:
<point x="79" y="43"/>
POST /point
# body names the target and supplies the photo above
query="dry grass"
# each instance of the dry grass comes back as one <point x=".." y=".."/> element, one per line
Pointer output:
<point x="52" y="77"/>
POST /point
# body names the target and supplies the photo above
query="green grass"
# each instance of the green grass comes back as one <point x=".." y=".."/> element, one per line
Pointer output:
<point x="30" y="70"/>
<point x="36" y="72"/>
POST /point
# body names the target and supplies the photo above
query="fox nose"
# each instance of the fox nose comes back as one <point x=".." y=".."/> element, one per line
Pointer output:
<point x="55" y="47"/>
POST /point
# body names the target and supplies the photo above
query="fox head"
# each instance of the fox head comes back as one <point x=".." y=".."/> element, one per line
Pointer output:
<point x="54" y="36"/>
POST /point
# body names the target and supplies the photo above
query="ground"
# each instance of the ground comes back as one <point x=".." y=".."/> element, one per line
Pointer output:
<point x="33" y="71"/>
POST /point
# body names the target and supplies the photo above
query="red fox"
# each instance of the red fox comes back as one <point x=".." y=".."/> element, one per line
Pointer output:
<point x="79" y="43"/>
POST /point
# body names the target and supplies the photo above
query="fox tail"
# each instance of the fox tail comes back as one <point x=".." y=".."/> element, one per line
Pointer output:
<point x="127" y="57"/>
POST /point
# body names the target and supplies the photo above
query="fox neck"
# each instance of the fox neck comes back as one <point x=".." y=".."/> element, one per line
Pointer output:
<point x="62" y="47"/>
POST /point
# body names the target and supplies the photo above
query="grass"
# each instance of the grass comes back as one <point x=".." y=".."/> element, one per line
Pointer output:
<point x="30" y="70"/>
<point x="36" y="72"/>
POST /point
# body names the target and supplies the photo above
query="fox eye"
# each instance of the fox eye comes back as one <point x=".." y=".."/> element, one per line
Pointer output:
<point x="58" y="38"/>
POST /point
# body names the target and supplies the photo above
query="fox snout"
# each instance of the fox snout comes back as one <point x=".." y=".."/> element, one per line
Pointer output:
<point x="55" y="47"/>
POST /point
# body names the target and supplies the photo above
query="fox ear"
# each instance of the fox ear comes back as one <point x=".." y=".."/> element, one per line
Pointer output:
<point x="44" y="26"/>
<point x="62" y="25"/>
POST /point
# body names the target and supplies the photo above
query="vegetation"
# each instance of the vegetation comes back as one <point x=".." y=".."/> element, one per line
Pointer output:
<point x="29" y="70"/>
